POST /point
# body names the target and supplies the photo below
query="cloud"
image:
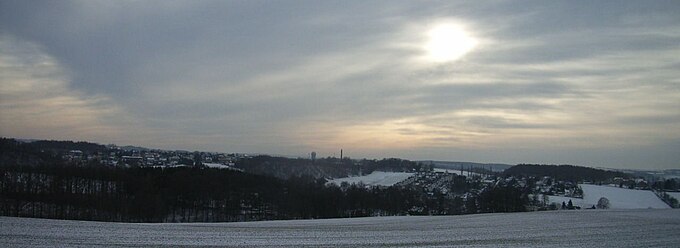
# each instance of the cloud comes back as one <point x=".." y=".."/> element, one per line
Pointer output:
<point x="37" y="102"/>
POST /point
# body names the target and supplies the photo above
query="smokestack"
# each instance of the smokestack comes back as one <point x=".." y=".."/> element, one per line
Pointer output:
<point x="340" y="154"/>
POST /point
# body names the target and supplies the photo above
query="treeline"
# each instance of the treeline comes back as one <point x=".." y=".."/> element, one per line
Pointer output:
<point x="469" y="166"/>
<point x="13" y="152"/>
<point x="161" y="195"/>
<point x="285" y="168"/>
<point x="35" y="181"/>
<point x="671" y="184"/>
<point x="61" y="146"/>
<point x="52" y="146"/>
<point x="564" y="172"/>
<point x="186" y="194"/>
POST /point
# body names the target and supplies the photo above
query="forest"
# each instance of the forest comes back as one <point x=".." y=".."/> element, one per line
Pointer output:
<point x="329" y="167"/>
<point x="187" y="194"/>
<point x="35" y="182"/>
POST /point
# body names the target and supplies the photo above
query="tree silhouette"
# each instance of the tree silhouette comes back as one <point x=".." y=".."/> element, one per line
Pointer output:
<point x="603" y="203"/>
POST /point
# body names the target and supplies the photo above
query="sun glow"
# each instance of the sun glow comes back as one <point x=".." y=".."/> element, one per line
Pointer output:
<point x="448" y="42"/>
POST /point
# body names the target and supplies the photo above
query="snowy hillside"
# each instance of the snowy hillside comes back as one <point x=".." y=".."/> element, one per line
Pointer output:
<point x="619" y="198"/>
<point x="377" y="178"/>
<point x="221" y="166"/>
<point x="596" y="228"/>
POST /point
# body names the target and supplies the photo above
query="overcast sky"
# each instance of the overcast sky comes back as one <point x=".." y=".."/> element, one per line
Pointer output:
<point x="593" y="83"/>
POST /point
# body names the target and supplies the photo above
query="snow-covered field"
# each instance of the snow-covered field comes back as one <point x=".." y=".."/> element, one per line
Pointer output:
<point x="587" y="228"/>
<point x="220" y="166"/>
<point x="619" y="198"/>
<point x="377" y="178"/>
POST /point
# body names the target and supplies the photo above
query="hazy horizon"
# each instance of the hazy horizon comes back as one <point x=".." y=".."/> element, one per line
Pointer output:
<point x="566" y="82"/>
<point x="347" y="155"/>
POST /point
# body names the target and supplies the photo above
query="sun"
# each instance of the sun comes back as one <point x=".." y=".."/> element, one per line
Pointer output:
<point x="448" y="42"/>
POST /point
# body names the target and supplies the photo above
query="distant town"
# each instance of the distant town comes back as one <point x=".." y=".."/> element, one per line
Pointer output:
<point x="128" y="156"/>
<point x="81" y="180"/>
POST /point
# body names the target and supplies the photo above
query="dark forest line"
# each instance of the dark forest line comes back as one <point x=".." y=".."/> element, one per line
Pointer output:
<point x="37" y="181"/>
<point x="186" y="194"/>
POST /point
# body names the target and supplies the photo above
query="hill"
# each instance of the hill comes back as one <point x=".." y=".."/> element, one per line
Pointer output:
<point x="619" y="198"/>
<point x="13" y="152"/>
<point x="55" y="145"/>
<point x="564" y="172"/>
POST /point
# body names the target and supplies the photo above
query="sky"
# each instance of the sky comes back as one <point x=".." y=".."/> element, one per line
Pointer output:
<point x="594" y="83"/>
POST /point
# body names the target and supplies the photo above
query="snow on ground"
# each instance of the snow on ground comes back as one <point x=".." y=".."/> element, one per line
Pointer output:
<point x="377" y="178"/>
<point x="619" y="198"/>
<point x="220" y="166"/>
<point x="446" y="170"/>
<point x="586" y="228"/>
